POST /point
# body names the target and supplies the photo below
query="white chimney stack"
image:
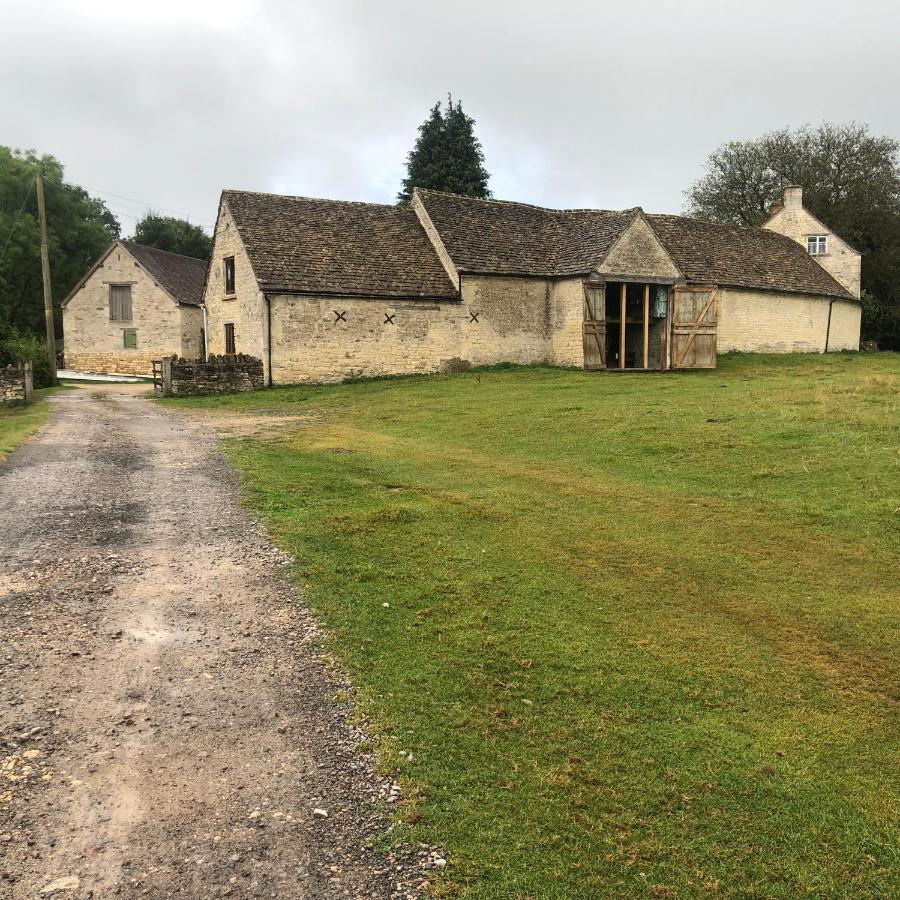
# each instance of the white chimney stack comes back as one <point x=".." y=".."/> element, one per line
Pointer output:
<point x="793" y="197"/>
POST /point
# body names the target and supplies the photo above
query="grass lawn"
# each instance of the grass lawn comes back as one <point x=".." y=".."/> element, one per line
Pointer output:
<point x="20" y="421"/>
<point x="643" y="630"/>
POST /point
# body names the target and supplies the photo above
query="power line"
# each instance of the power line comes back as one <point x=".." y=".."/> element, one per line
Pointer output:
<point x="146" y="204"/>
<point x="12" y="231"/>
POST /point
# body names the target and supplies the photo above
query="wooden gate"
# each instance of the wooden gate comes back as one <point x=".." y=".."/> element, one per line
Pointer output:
<point x="594" y="327"/>
<point x="157" y="376"/>
<point x="695" y="317"/>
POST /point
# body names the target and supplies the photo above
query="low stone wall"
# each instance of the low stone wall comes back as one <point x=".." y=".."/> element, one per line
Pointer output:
<point x="131" y="362"/>
<point x="218" y="375"/>
<point x="16" y="383"/>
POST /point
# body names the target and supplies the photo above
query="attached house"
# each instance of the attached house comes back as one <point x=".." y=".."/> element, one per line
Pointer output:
<point x="135" y="304"/>
<point x="325" y="290"/>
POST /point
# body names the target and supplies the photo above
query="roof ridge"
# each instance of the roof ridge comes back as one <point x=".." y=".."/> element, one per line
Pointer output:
<point x="128" y="243"/>
<point x="312" y="199"/>
<point x="521" y="203"/>
<point x="755" y="228"/>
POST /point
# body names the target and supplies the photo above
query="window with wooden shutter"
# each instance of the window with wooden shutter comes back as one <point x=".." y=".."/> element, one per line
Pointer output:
<point x="229" y="339"/>
<point x="129" y="338"/>
<point x="120" y="302"/>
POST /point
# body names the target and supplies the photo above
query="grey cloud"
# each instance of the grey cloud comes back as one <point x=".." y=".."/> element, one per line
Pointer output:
<point x="602" y="104"/>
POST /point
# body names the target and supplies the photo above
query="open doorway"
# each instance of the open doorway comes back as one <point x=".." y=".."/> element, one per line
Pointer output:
<point x="636" y="315"/>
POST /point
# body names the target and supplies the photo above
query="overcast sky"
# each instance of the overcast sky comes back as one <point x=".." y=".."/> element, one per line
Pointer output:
<point x="576" y="103"/>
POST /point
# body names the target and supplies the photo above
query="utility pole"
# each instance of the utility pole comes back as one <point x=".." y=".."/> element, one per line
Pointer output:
<point x="45" y="271"/>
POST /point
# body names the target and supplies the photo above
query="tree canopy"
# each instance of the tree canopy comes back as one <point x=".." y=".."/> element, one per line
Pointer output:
<point x="79" y="229"/>
<point x="173" y="234"/>
<point x="447" y="155"/>
<point x="850" y="180"/>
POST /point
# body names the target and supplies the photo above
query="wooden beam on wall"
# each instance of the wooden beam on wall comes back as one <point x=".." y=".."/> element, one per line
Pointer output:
<point x="622" y="294"/>
<point x="646" y="326"/>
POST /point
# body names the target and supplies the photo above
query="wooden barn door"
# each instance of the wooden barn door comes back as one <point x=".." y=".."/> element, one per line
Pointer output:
<point x="594" y="327"/>
<point x="695" y="316"/>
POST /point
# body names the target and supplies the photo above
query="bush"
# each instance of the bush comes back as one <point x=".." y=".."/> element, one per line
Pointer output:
<point x="17" y="346"/>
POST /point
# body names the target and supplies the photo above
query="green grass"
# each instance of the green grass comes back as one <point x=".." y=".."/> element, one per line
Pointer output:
<point x="19" y="421"/>
<point x="643" y="629"/>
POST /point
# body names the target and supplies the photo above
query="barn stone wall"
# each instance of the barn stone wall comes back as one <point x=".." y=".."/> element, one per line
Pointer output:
<point x="566" y="319"/>
<point x="94" y="343"/>
<point x="770" y="322"/>
<point x="513" y="320"/>
<point x="498" y="319"/>
<point x="325" y="339"/>
<point x="191" y="331"/>
<point x="245" y="308"/>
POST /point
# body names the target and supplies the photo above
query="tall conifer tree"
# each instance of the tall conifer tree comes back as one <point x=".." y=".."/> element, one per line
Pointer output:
<point x="447" y="155"/>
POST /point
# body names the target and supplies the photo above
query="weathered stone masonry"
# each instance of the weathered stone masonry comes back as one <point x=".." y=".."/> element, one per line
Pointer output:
<point x="16" y="383"/>
<point x="218" y="375"/>
<point x="515" y="288"/>
<point x="163" y="327"/>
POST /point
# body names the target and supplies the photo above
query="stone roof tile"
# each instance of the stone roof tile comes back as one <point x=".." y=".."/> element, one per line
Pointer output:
<point x="304" y="245"/>
<point x="741" y="256"/>
<point x="503" y="237"/>
<point x="182" y="276"/>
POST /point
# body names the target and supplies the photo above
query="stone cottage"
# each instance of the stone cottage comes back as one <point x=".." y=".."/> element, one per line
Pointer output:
<point x="134" y="305"/>
<point x="325" y="290"/>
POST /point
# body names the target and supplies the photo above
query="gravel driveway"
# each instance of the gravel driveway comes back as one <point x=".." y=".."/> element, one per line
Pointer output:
<point x="168" y="726"/>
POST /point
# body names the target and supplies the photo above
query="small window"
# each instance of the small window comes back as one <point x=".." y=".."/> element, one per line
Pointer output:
<point x="129" y="338"/>
<point x="229" y="339"/>
<point x="120" y="302"/>
<point x="229" y="274"/>
<point x="817" y="244"/>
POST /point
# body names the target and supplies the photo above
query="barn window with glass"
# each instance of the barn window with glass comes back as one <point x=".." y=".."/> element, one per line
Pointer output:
<point x="817" y="244"/>
<point x="229" y="274"/>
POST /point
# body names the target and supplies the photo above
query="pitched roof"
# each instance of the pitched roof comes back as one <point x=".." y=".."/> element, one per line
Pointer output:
<point x="741" y="256"/>
<point x="184" y="277"/>
<point x="505" y="237"/>
<point x="502" y="237"/>
<point x="303" y="245"/>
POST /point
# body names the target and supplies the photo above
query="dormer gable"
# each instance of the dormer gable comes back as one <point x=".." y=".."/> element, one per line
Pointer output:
<point x="639" y="253"/>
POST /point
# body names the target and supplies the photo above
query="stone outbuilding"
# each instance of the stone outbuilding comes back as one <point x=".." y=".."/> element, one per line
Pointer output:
<point x="325" y="290"/>
<point x="134" y="305"/>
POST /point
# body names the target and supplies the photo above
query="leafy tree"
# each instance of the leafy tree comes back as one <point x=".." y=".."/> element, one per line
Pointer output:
<point x="850" y="180"/>
<point x="174" y="235"/>
<point x="79" y="229"/>
<point x="447" y="155"/>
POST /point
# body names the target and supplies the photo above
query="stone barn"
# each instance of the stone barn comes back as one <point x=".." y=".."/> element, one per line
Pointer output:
<point x="326" y="290"/>
<point x="134" y="305"/>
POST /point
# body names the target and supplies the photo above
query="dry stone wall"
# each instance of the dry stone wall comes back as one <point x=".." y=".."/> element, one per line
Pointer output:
<point x="16" y="383"/>
<point x="218" y="375"/>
